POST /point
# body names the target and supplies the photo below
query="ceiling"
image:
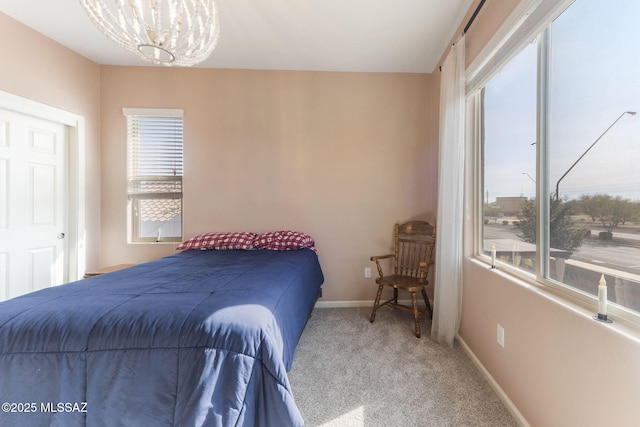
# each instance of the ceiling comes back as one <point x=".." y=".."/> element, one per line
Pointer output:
<point x="318" y="35"/>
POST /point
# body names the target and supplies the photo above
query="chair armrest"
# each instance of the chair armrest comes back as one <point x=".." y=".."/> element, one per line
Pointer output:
<point x="377" y="261"/>
<point x="376" y="258"/>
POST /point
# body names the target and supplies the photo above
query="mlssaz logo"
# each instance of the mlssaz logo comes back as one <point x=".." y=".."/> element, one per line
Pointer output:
<point x="63" y="407"/>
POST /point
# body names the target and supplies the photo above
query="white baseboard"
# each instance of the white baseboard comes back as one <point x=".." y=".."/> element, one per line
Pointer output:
<point x="343" y="304"/>
<point x="353" y="304"/>
<point x="494" y="385"/>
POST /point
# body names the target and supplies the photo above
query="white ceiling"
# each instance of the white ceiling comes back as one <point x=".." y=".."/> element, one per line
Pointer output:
<point x="322" y="35"/>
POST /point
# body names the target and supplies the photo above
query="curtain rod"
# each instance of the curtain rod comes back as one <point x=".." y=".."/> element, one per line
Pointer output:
<point x="473" y="17"/>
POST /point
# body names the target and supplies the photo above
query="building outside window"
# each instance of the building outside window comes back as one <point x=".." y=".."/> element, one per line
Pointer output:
<point x="154" y="174"/>
<point x="560" y="143"/>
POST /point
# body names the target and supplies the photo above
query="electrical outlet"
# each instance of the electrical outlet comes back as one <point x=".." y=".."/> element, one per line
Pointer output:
<point x="500" y="335"/>
<point x="367" y="272"/>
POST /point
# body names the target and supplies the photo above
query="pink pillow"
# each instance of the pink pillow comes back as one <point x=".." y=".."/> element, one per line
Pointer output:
<point x="284" y="241"/>
<point x="220" y="240"/>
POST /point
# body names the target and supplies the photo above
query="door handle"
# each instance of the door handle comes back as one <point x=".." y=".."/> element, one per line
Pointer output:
<point x="60" y="236"/>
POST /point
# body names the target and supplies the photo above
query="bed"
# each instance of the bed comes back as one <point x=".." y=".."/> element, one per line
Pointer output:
<point x="198" y="338"/>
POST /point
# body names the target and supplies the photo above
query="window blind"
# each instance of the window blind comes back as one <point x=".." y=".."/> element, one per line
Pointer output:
<point x="155" y="152"/>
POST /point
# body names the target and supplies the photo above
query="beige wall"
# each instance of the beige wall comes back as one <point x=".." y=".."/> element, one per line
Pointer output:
<point x="559" y="367"/>
<point x="341" y="156"/>
<point x="37" y="68"/>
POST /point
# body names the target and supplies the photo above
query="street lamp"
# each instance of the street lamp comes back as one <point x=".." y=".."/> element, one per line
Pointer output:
<point x="632" y="113"/>
<point x="530" y="177"/>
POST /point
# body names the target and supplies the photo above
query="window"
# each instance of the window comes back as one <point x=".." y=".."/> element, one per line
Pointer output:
<point x="509" y="145"/>
<point x="559" y="136"/>
<point x="154" y="174"/>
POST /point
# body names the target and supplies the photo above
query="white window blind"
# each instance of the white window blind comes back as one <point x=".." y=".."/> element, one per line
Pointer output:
<point x="154" y="173"/>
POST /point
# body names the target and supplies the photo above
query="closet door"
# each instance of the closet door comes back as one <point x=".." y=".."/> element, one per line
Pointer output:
<point x="33" y="201"/>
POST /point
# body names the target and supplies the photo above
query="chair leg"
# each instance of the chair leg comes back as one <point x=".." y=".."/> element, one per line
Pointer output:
<point x="376" y="304"/>
<point x="416" y="313"/>
<point x="426" y="301"/>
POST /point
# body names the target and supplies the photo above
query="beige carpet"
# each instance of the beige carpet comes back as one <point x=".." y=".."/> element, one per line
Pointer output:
<point x="349" y="372"/>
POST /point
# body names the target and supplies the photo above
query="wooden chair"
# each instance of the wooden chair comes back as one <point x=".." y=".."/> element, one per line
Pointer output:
<point x="414" y="243"/>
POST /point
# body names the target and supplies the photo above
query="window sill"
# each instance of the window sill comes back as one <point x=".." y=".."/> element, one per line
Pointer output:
<point x="628" y="328"/>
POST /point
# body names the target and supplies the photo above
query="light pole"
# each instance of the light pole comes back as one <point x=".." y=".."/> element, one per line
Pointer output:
<point x="530" y="177"/>
<point x="632" y="113"/>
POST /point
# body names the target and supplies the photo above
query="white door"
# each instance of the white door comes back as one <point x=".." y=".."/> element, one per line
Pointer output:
<point x="33" y="186"/>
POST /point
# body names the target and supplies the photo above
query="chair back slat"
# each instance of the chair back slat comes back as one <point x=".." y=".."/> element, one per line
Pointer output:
<point x="414" y="242"/>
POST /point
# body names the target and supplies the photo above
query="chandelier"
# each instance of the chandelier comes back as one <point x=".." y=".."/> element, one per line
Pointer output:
<point x="168" y="32"/>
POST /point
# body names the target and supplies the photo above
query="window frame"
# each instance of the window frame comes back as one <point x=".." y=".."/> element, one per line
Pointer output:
<point x="134" y="200"/>
<point x="509" y="40"/>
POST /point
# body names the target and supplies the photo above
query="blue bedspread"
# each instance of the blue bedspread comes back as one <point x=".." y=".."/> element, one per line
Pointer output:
<point x="199" y="338"/>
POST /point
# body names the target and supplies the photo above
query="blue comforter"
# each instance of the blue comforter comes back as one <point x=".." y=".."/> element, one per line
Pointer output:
<point x="199" y="338"/>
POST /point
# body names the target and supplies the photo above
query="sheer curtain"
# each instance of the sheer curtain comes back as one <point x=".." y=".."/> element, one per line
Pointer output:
<point x="448" y="262"/>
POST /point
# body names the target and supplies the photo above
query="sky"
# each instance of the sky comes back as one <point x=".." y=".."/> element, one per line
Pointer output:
<point x="595" y="77"/>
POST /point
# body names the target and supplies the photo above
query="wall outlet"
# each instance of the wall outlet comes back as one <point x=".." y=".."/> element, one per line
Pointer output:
<point x="500" y="335"/>
<point x="367" y="272"/>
